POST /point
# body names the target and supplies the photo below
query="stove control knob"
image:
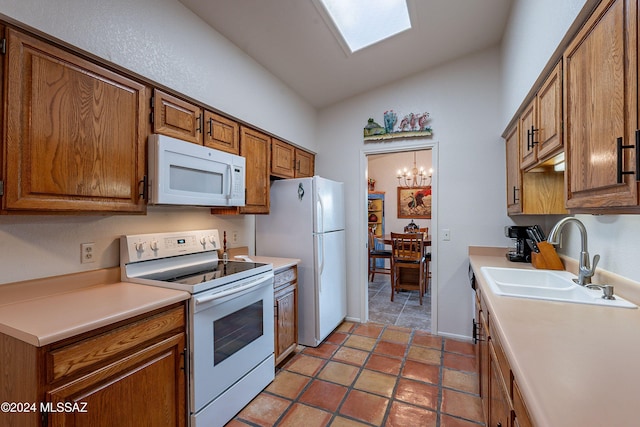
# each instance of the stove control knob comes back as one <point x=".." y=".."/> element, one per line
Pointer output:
<point x="213" y="241"/>
<point x="154" y="245"/>
<point x="203" y="241"/>
<point x="140" y="246"/>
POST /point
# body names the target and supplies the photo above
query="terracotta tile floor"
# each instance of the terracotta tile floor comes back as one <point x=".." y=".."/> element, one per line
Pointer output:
<point x="372" y="375"/>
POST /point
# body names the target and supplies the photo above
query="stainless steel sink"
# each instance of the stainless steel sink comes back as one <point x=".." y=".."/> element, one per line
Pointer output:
<point x="546" y="285"/>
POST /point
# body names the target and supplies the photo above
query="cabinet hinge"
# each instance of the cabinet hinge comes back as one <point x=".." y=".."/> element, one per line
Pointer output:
<point x="151" y="117"/>
<point x="3" y="46"/>
<point x="44" y="418"/>
<point x="1" y="188"/>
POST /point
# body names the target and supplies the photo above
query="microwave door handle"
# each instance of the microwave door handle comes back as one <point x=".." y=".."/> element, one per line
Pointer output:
<point x="230" y="169"/>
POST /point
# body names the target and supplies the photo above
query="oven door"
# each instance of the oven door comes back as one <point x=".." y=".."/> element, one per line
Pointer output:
<point x="233" y="329"/>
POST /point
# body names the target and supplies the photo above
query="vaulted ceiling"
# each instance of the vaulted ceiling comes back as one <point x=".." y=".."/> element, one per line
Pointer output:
<point x="292" y="40"/>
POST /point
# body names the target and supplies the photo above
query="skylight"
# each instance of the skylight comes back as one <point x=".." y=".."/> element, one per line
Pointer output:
<point x="361" y="23"/>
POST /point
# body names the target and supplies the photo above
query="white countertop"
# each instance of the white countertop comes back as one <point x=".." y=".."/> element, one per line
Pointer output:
<point x="43" y="311"/>
<point x="576" y="364"/>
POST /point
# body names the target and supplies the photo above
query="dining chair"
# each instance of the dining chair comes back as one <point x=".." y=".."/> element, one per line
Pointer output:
<point x="427" y="255"/>
<point x="407" y="251"/>
<point x="375" y="255"/>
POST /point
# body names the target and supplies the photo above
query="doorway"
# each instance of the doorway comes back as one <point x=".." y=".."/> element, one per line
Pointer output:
<point x="382" y="164"/>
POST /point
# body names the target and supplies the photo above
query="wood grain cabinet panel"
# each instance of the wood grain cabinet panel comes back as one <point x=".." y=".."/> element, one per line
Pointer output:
<point x="177" y="118"/>
<point x="286" y="312"/>
<point x="283" y="158"/>
<point x="305" y="164"/>
<point x="132" y="373"/>
<point x="255" y="148"/>
<point x="221" y="133"/>
<point x="600" y="96"/>
<point x="514" y="174"/>
<point x="541" y="122"/>
<point x="527" y="122"/>
<point x="75" y="132"/>
<point x="548" y="135"/>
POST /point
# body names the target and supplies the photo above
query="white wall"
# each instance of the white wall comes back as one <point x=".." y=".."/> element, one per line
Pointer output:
<point x="165" y="42"/>
<point x="536" y="29"/>
<point x="463" y="99"/>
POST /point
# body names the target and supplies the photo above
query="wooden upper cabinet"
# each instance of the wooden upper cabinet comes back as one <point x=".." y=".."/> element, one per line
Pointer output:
<point x="541" y="122"/>
<point x="221" y="133"/>
<point x="514" y="174"/>
<point x="255" y="147"/>
<point x="288" y="161"/>
<point x="527" y="134"/>
<point x="304" y="164"/>
<point x="282" y="159"/>
<point x="75" y="133"/>
<point x="175" y="117"/>
<point x="549" y="115"/>
<point x="600" y="93"/>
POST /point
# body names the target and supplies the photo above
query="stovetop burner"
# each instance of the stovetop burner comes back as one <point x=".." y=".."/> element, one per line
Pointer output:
<point x="214" y="270"/>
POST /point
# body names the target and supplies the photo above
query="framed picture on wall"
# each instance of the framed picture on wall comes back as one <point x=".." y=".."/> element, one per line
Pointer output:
<point x="414" y="202"/>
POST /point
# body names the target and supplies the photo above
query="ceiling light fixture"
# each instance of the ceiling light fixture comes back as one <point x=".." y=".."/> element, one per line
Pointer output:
<point x="414" y="177"/>
<point x="361" y="23"/>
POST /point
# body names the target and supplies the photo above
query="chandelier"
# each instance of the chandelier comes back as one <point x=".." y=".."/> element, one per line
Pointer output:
<point x="414" y="177"/>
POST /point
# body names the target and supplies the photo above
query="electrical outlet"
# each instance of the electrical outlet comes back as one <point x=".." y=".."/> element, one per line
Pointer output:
<point x="87" y="254"/>
<point x="234" y="236"/>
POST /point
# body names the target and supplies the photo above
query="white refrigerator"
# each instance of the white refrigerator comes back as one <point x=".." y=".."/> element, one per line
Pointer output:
<point x="306" y="221"/>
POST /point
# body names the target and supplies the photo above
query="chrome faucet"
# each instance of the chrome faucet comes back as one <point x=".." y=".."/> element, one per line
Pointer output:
<point x="585" y="270"/>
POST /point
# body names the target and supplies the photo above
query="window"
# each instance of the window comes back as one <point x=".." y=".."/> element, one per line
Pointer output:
<point x="361" y="23"/>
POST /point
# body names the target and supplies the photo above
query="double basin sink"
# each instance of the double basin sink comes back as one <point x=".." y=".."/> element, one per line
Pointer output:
<point x="546" y="285"/>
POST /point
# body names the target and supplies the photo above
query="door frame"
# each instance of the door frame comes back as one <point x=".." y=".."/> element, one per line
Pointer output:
<point x="413" y="145"/>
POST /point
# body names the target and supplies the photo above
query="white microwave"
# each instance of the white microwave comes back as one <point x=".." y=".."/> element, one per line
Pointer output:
<point x="183" y="173"/>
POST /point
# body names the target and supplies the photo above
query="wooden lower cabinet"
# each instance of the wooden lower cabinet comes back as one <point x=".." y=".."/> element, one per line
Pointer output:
<point x="286" y="312"/>
<point x="502" y="402"/>
<point x="130" y="374"/>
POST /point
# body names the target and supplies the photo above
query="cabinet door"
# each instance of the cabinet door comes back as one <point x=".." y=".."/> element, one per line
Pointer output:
<point x="286" y="323"/>
<point x="146" y="388"/>
<point x="600" y="89"/>
<point x="549" y="115"/>
<point x="75" y="132"/>
<point x="282" y="159"/>
<point x="499" y="406"/>
<point x="304" y="164"/>
<point x="514" y="175"/>
<point x="221" y="133"/>
<point x="527" y="136"/>
<point x="255" y="147"/>
<point x="177" y="118"/>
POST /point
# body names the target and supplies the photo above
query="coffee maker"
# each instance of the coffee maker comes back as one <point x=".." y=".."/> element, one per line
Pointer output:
<point x="520" y="251"/>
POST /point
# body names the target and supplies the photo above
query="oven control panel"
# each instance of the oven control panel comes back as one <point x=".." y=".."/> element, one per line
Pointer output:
<point x="142" y="247"/>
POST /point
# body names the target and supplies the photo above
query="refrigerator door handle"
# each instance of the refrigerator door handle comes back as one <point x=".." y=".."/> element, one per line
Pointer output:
<point x="321" y="266"/>
<point x="320" y="218"/>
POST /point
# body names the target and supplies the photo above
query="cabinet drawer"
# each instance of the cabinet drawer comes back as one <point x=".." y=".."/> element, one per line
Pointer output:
<point x="103" y="348"/>
<point x="284" y="277"/>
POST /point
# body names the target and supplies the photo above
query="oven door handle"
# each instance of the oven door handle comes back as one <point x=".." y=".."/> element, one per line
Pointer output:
<point x="209" y="298"/>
